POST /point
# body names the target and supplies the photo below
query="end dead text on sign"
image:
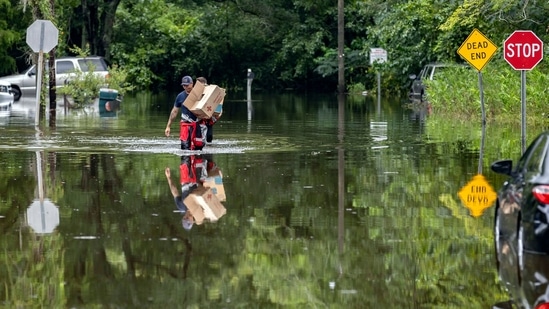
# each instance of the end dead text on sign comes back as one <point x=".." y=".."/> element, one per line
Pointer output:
<point x="477" y="50"/>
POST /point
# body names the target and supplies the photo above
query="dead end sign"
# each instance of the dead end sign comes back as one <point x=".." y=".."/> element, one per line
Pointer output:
<point x="477" y="50"/>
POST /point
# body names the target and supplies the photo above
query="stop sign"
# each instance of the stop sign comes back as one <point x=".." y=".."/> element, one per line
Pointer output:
<point x="42" y="35"/>
<point x="523" y="50"/>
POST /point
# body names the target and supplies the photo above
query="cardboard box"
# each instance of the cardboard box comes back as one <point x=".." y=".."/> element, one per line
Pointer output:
<point x="215" y="182"/>
<point x="203" y="100"/>
<point x="195" y="95"/>
<point x="204" y="205"/>
<point x="218" y="110"/>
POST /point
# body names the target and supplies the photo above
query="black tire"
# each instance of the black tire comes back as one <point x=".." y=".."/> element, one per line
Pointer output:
<point x="16" y="93"/>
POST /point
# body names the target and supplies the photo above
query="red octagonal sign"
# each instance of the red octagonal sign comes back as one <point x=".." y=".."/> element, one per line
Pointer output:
<point x="523" y="50"/>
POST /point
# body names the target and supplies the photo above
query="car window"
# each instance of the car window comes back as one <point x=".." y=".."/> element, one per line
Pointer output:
<point x="97" y="63"/>
<point x="64" y="67"/>
<point x="532" y="160"/>
<point x="426" y="72"/>
<point x="438" y="70"/>
<point x="3" y="88"/>
<point x="32" y="71"/>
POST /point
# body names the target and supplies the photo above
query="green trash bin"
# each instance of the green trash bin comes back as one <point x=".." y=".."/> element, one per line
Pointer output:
<point x="108" y="102"/>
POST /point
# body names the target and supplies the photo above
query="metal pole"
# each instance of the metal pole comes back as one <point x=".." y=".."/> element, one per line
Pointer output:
<point x="480" y="87"/>
<point x="39" y="174"/>
<point x="523" y="108"/>
<point x="378" y="88"/>
<point x="39" y="76"/>
<point x="38" y="86"/>
<point x="250" y="77"/>
<point x="483" y="121"/>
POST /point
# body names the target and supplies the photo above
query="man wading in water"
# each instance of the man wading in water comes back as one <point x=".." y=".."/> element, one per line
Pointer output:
<point x="190" y="135"/>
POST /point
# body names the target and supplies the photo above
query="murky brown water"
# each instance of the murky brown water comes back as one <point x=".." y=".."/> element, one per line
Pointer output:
<point x="325" y="207"/>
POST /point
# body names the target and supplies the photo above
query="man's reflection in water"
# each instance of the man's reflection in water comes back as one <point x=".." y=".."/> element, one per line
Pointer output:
<point x="193" y="170"/>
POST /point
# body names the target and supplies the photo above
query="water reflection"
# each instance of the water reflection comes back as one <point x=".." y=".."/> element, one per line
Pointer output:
<point x="330" y="203"/>
<point x="525" y="275"/>
<point x="202" y="190"/>
<point x="42" y="215"/>
<point x="341" y="184"/>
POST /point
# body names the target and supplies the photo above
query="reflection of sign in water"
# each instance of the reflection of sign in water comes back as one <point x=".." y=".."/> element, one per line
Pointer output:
<point x="477" y="195"/>
<point x="43" y="217"/>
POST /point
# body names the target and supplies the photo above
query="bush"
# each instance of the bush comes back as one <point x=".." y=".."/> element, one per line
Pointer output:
<point x="84" y="88"/>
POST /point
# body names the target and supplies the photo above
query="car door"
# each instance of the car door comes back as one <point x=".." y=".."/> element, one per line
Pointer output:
<point x="426" y="74"/>
<point x="417" y="86"/>
<point x="513" y="191"/>
<point x="27" y="84"/>
<point x="63" y="71"/>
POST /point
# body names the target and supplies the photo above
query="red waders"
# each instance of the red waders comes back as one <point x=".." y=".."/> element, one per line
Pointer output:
<point x="187" y="170"/>
<point x="190" y="140"/>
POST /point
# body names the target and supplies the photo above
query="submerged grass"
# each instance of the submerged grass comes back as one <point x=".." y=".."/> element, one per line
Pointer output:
<point x="455" y="94"/>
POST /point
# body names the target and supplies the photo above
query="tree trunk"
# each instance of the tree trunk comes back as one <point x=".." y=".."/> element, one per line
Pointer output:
<point x="99" y="22"/>
<point x="52" y="88"/>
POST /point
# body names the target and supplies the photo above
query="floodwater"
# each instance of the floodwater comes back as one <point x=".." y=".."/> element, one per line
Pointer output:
<point x="327" y="204"/>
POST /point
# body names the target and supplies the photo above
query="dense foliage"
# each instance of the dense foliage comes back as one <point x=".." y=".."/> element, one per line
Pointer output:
<point x="501" y="92"/>
<point x="287" y="43"/>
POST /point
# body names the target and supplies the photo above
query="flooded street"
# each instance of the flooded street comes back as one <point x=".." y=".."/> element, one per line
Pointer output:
<point x="327" y="205"/>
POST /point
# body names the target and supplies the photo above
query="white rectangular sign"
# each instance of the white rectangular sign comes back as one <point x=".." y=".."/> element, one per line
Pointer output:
<point x="378" y="55"/>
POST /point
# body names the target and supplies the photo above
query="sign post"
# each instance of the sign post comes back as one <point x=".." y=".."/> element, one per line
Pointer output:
<point x="378" y="55"/>
<point x="523" y="50"/>
<point x="42" y="36"/>
<point x="477" y="49"/>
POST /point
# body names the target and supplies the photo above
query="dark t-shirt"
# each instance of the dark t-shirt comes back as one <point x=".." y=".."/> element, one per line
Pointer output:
<point x="186" y="114"/>
<point x="186" y="189"/>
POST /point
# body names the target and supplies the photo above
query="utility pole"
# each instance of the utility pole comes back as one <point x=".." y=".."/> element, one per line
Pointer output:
<point x="340" y="47"/>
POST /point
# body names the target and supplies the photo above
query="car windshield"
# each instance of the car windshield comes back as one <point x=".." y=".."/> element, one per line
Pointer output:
<point x="97" y="64"/>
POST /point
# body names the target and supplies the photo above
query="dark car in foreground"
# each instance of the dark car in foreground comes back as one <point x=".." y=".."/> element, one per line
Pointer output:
<point x="521" y="226"/>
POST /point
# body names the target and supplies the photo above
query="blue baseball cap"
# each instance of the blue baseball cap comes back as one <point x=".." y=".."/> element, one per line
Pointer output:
<point x="186" y="80"/>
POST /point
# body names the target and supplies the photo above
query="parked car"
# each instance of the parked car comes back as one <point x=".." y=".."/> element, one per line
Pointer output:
<point x="429" y="71"/>
<point x="6" y="99"/>
<point x="65" y="68"/>
<point x="521" y="226"/>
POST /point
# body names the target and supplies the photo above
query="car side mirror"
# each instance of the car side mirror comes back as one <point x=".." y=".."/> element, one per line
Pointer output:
<point x="412" y="76"/>
<point x="504" y="167"/>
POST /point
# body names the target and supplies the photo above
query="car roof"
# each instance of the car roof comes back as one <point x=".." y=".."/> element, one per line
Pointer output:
<point x="444" y="64"/>
<point x="72" y="57"/>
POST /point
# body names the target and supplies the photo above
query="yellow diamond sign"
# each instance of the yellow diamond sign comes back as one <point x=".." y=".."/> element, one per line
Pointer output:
<point x="477" y="195"/>
<point x="477" y="50"/>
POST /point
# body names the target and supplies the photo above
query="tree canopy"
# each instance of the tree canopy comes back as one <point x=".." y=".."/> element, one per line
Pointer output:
<point x="287" y="43"/>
